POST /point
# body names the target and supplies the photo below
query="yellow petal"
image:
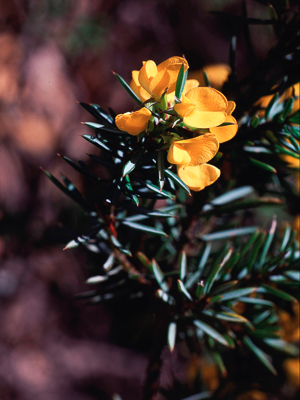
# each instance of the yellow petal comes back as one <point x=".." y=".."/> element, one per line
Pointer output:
<point x="200" y="149"/>
<point x="204" y="119"/>
<point x="137" y="88"/>
<point x="230" y="107"/>
<point x="173" y="66"/>
<point x="190" y="84"/>
<point x="225" y="133"/>
<point x="296" y="105"/>
<point x="159" y="84"/>
<point x="198" y="177"/>
<point x="146" y="74"/>
<point x="177" y="155"/>
<point x="185" y="108"/>
<point x="207" y="99"/>
<point x="217" y="75"/>
<point x="135" y="122"/>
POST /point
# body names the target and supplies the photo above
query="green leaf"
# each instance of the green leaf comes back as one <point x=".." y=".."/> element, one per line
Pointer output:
<point x="211" y="332"/>
<point x="181" y="79"/>
<point x="207" y="82"/>
<point x="220" y="364"/>
<point x="157" y="190"/>
<point x="160" y="169"/>
<point x="96" y="142"/>
<point x="263" y="165"/>
<point x="196" y="275"/>
<point x="130" y="165"/>
<point x="254" y="121"/>
<point x="259" y="354"/>
<point x="225" y="287"/>
<point x="288" y="107"/>
<point x="214" y="273"/>
<point x="177" y="181"/>
<point x="144" y="260"/>
<point x="256" y="301"/>
<point x="253" y="254"/>
<point x="294" y="275"/>
<point x="233" y="295"/>
<point x="96" y="279"/>
<point x="226" y="316"/>
<point x="128" y="89"/>
<point x="270" y="105"/>
<point x="267" y="244"/>
<point x="229" y="233"/>
<point x="279" y="293"/>
<point x="172" y="335"/>
<point x="282" y="345"/>
<point x="144" y="228"/>
<point x="233" y="195"/>
<point x="159" y="276"/>
<point x="183" y="290"/>
<point x="257" y="149"/>
<point x="182" y="265"/>
<point x="101" y="112"/>
<point x="295" y="117"/>
<point x="287" y="152"/>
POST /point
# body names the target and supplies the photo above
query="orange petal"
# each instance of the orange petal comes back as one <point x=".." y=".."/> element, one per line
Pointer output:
<point x="184" y="109"/>
<point x="135" y="122"/>
<point x="190" y="84"/>
<point x="225" y="133"/>
<point x="230" y="107"/>
<point x="177" y="155"/>
<point x="198" y="177"/>
<point x="217" y="75"/>
<point x="159" y="84"/>
<point x="200" y="149"/>
<point x="204" y="119"/>
<point x="207" y="99"/>
<point x="146" y="74"/>
<point x="137" y="88"/>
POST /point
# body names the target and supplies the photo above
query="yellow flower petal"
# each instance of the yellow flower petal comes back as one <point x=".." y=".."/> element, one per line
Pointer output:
<point x="159" y="83"/>
<point x="173" y="66"/>
<point x="190" y="84"/>
<point x="135" y="122"/>
<point x="217" y="75"/>
<point x="225" y="133"/>
<point x="137" y="88"/>
<point x="185" y="108"/>
<point x="147" y="73"/>
<point x="204" y="119"/>
<point x="198" y="177"/>
<point x="207" y="99"/>
<point x="230" y="107"/>
<point x="200" y="149"/>
<point x="177" y="155"/>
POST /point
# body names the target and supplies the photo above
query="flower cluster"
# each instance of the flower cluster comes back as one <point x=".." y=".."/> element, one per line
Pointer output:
<point x="184" y="119"/>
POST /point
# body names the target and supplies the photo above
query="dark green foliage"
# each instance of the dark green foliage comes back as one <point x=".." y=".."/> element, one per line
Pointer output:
<point x="200" y="256"/>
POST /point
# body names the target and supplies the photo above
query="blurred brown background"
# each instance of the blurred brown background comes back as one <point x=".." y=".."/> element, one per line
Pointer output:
<point x="52" y="53"/>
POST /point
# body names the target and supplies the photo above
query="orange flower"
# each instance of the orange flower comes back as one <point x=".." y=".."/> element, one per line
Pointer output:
<point x="194" y="151"/>
<point x="155" y="79"/>
<point x="199" y="176"/>
<point x="227" y="132"/>
<point x="216" y="73"/>
<point x="191" y="156"/>
<point x="134" y="122"/>
<point x="202" y="108"/>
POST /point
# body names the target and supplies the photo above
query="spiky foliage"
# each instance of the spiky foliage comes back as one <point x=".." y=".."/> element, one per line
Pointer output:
<point x="210" y="271"/>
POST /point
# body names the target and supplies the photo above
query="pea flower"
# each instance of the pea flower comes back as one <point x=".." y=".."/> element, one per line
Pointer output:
<point x="227" y="132"/>
<point x="191" y="156"/>
<point x="202" y="107"/>
<point x="195" y="151"/>
<point x="199" y="176"/>
<point x="217" y="75"/>
<point x="152" y="80"/>
<point x="133" y="122"/>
